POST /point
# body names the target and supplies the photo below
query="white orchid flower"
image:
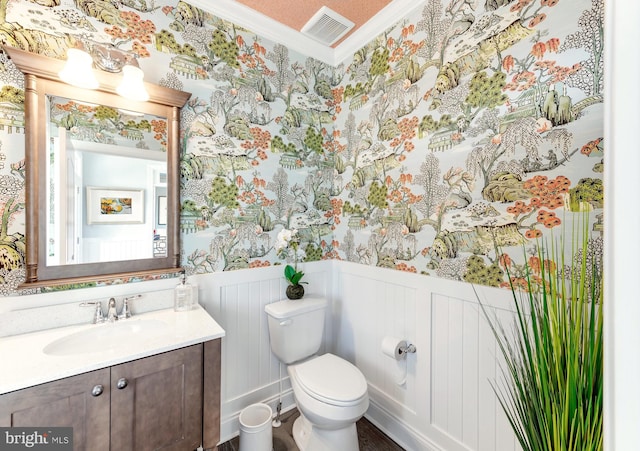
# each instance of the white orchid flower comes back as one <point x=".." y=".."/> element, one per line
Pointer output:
<point x="301" y="254"/>
<point x="284" y="236"/>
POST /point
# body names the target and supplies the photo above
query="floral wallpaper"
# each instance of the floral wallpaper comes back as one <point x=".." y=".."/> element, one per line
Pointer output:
<point x="460" y="135"/>
<point x="469" y="133"/>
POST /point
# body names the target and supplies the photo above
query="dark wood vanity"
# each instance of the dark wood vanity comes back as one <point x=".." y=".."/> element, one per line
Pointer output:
<point x="168" y="401"/>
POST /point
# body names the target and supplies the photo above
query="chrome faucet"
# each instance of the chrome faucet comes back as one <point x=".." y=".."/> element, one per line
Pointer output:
<point x="112" y="313"/>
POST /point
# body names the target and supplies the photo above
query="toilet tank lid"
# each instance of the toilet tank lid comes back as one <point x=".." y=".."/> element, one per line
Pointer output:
<point x="288" y="308"/>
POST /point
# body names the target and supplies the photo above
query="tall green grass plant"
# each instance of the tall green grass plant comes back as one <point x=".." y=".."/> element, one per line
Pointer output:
<point x="553" y="373"/>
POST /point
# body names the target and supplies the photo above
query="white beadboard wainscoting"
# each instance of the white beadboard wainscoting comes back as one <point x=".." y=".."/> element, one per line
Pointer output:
<point x="446" y="401"/>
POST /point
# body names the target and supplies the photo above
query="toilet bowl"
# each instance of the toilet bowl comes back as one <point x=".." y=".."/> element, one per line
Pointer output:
<point x="331" y="393"/>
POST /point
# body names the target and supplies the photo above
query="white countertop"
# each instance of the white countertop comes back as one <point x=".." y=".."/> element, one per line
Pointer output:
<point x="23" y="363"/>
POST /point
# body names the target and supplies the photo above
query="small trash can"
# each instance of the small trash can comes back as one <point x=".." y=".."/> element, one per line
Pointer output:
<point x="255" y="428"/>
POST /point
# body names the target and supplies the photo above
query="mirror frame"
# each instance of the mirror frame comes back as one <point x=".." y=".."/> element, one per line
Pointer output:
<point x="41" y="79"/>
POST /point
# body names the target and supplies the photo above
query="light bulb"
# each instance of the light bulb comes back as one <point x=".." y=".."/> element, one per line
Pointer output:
<point x="132" y="86"/>
<point x="77" y="71"/>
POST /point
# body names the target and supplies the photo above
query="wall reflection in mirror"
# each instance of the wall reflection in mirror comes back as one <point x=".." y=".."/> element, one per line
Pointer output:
<point x="107" y="184"/>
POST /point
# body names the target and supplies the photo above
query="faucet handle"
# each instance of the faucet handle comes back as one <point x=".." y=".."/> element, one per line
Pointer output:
<point x="98" y="317"/>
<point x="126" y="310"/>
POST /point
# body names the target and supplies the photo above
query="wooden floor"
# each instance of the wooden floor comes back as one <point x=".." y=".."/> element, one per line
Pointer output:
<point x="370" y="437"/>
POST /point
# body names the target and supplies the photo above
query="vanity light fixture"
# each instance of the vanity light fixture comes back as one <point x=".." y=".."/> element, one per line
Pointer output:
<point x="78" y="70"/>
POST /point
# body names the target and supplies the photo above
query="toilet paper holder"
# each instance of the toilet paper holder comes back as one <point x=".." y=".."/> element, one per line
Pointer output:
<point x="397" y="348"/>
<point x="408" y="349"/>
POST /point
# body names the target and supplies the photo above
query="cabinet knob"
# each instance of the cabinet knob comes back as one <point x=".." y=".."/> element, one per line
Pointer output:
<point x="97" y="390"/>
<point x="122" y="383"/>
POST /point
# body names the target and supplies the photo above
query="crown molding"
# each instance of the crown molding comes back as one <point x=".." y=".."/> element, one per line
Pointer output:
<point x="275" y="31"/>
<point x="387" y="17"/>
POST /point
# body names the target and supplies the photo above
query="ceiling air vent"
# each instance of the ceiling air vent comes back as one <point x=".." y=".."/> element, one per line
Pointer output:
<point x="327" y="26"/>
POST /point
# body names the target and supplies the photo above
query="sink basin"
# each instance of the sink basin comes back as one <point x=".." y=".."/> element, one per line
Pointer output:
<point x="106" y="337"/>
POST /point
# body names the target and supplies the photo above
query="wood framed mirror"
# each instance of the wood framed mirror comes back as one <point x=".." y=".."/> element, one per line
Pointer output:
<point x="102" y="178"/>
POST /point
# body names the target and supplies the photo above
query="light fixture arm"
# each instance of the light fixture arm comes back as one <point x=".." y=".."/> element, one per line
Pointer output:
<point x="109" y="58"/>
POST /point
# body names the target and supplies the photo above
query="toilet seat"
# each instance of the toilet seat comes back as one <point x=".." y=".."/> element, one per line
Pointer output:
<point x="332" y="380"/>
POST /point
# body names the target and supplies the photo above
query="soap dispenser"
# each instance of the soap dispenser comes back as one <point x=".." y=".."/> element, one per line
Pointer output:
<point x="183" y="295"/>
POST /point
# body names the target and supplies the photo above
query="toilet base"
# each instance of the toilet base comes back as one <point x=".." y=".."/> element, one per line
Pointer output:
<point x="310" y="438"/>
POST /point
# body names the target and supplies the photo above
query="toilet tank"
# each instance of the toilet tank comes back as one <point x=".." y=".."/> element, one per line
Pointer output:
<point x="296" y="327"/>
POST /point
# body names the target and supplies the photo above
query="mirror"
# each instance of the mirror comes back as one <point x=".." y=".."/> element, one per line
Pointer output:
<point x="102" y="178"/>
<point x="105" y="194"/>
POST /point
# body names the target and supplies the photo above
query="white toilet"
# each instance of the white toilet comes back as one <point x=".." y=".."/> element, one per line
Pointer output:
<point x="331" y="393"/>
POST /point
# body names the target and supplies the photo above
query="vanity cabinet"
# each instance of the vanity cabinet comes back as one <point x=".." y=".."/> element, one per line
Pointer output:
<point x="168" y="401"/>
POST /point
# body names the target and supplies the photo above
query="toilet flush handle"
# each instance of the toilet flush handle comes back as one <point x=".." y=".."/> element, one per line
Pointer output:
<point x="286" y="322"/>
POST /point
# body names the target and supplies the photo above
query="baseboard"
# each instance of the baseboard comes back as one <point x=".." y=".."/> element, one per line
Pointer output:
<point x="401" y="433"/>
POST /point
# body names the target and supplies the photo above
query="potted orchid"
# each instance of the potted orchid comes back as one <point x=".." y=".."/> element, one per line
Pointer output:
<point x="288" y="247"/>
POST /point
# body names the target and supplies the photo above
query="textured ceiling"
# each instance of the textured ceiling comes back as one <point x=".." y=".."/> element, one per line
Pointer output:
<point x="282" y="20"/>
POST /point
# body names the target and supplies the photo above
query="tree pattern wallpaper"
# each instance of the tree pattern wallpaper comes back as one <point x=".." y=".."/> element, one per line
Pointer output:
<point x="446" y="146"/>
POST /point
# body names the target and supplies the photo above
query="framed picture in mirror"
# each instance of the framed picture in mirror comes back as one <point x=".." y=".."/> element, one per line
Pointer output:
<point x="115" y="206"/>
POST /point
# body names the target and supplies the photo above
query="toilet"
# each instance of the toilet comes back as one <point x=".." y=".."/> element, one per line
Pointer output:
<point x="330" y="392"/>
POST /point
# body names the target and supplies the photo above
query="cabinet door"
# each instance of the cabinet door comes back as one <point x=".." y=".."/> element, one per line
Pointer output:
<point x="156" y="402"/>
<point x="70" y="402"/>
